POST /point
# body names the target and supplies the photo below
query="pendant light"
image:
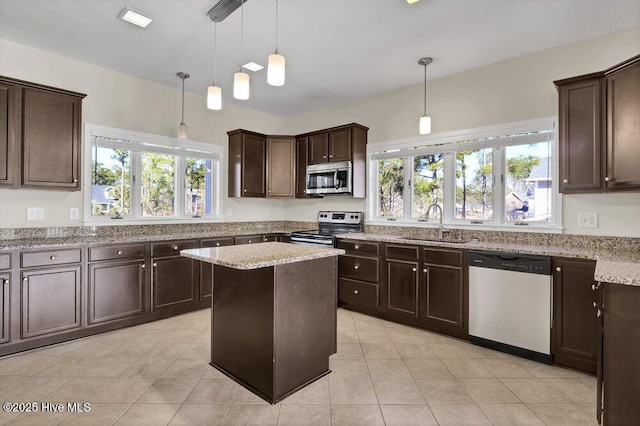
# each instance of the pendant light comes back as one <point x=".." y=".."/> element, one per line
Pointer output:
<point x="241" y="79"/>
<point x="182" y="128"/>
<point x="214" y="93"/>
<point x="425" y="120"/>
<point x="275" y="68"/>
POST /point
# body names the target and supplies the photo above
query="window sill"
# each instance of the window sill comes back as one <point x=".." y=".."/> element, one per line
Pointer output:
<point x="149" y="221"/>
<point x="474" y="227"/>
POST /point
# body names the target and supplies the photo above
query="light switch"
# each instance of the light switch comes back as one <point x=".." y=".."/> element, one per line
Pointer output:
<point x="588" y="220"/>
<point x="35" y="213"/>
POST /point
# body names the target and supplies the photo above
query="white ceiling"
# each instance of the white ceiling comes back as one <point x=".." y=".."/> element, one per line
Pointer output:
<point x="337" y="51"/>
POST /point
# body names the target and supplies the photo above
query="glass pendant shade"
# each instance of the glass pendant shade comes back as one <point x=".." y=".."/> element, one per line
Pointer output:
<point x="425" y="125"/>
<point x="241" y="85"/>
<point x="214" y="98"/>
<point x="182" y="131"/>
<point x="275" y="70"/>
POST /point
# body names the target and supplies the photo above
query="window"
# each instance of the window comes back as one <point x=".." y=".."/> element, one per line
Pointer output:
<point x="135" y="176"/>
<point x="499" y="176"/>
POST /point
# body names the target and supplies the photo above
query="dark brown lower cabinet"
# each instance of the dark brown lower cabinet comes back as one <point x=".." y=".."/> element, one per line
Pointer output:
<point x="5" y="283"/>
<point x="116" y="290"/>
<point x="249" y="239"/>
<point x="50" y="300"/>
<point x="575" y="325"/>
<point x="172" y="282"/>
<point x="619" y="374"/>
<point x="402" y="280"/>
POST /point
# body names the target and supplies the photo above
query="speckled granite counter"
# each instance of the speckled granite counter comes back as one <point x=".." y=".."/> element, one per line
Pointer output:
<point x="262" y="255"/>
<point x="618" y="267"/>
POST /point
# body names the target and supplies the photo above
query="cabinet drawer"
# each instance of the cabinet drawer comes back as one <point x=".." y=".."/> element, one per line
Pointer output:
<point x="402" y="252"/>
<point x="359" y="246"/>
<point x="217" y="242"/>
<point x="50" y="257"/>
<point x="249" y="239"/>
<point x="172" y="248"/>
<point x="135" y="251"/>
<point x="358" y="267"/>
<point x="357" y="292"/>
<point x="443" y="257"/>
<point x="5" y="260"/>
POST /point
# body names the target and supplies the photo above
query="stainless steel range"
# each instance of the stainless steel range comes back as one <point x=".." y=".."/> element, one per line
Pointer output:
<point x="330" y="224"/>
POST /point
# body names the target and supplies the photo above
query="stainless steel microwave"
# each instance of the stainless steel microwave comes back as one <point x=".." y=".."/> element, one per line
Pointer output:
<point x="329" y="178"/>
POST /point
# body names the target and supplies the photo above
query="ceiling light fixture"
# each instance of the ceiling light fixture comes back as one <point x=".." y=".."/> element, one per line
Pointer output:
<point x="214" y="93"/>
<point x="425" y="120"/>
<point x="275" y="69"/>
<point x="182" y="128"/>
<point x="412" y="1"/>
<point x="134" y="17"/>
<point x="252" y="66"/>
<point x="224" y="8"/>
<point x="241" y="79"/>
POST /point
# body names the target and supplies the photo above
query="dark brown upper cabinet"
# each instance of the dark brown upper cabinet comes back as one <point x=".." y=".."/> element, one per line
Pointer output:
<point x="40" y="142"/>
<point x="318" y="148"/>
<point x="599" y="130"/>
<point x="301" y="167"/>
<point x="247" y="164"/>
<point x="281" y="166"/>
<point x="342" y="143"/>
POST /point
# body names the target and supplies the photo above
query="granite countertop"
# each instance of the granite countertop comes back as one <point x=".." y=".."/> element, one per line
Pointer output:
<point x="618" y="267"/>
<point x="261" y="255"/>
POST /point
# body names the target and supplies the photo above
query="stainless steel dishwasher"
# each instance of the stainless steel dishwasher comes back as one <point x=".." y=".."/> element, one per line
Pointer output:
<point x="510" y="303"/>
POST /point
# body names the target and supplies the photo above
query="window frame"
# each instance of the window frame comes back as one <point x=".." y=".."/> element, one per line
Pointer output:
<point x="137" y="143"/>
<point x="449" y="143"/>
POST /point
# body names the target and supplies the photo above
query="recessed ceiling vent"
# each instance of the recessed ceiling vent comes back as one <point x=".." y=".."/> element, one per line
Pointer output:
<point x="224" y="8"/>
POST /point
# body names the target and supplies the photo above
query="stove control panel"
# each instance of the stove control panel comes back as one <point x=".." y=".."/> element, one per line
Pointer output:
<point x="354" y="218"/>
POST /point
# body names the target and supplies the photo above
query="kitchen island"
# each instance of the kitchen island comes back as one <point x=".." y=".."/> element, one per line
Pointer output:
<point x="274" y="314"/>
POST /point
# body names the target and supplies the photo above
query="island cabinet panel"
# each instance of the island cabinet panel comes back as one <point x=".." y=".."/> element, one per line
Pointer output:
<point x="623" y="127"/>
<point x="274" y="328"/>
<point x="50" y="300"/>
<point x="206" y="269"/>
<point x="575" y="325"/>
<point x="5" y="296"/>
<point x="581" y="105"/>
<point x="281" y="167"/>
<point x="445" y="306"/>
<point x="116" y="282"/>
<point x="174" y="279"/>
<point x="619" y="375"/>
<point x="402" y="279"/>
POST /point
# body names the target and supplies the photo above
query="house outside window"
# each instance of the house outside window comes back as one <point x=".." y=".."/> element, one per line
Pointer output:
<point x="493" y="177"/>
<point x="135" y="177"/>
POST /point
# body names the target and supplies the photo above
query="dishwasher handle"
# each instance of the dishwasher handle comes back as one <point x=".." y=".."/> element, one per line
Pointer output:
<point x="526" y="263"/>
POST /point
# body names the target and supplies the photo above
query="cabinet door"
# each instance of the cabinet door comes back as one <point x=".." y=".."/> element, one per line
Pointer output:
<point x="340" y="145"/>
<point x="253" y="166"/>
<point x="280" y="167"/>
<point x="581" y="136"/>
<point x="172" y="282"/>
<point x="8" y="127"/>
<point x="50" y="301"/>
<point x="206" y="269"/>
<point x="402" y="287"/>
<point x="115" y="290"/>
<point x="318" y="146"/>
<point x="51" y="140"/>
<point x="623" y="128"/>
<point x="444" y="297"/>
<point x="4" y="304"/>
<point x="575" y="326"/>
<point x="249" y="239"/>
<point x="301" y="168"/>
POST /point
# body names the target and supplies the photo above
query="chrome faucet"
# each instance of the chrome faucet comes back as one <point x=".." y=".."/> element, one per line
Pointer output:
<point x="440" y="228"/>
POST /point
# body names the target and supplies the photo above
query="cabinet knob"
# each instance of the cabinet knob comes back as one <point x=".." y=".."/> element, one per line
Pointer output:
<point x="5" y="281"/>
<point x="356" y="247"/>
<point x="355" y="292"/>
<point x="25" y="279"/>
<point x="269" y="190"/>
<point x="244" y="190"/>
<point x="52" y="258"/>
<point x="595" y="304"/>
<point x="330" y="155"/>
<point x="155" y="264"/>
<point x="249" y="241"/>
<point x="324" y="156"/>
<point x="598" y="313"/>
<point x="357" y="267"/>
<point x="175" y="248"/>
<point x="558" y="268"/>
<point x="304" y="192"/>
<point x="609" y="179"/>
<point x="75" y="180"/>
<point x="217" y="244"/>
<point x="595" y="286"/>
<point x="119" y="252"/>
<point x="143" y="266"/>
<point x="425" y="270"/>
<point x="414" y="269"/>
<point x="565" y="180"/>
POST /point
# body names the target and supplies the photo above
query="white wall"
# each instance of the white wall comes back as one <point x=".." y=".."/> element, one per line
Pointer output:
<point x="513" y="90"/>
<point x="118" y="100"/>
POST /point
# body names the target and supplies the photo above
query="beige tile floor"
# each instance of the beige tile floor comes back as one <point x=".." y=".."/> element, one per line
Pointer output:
<point x="383" y="373"/>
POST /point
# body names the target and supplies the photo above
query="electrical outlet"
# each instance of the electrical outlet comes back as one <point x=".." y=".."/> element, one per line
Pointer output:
<point x="74" y="213"/>
<point x="35" y="213"/>
<point x="588" y="220"/>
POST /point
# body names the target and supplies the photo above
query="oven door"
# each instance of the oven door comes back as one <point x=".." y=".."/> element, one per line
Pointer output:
<point x="311" y="240"/>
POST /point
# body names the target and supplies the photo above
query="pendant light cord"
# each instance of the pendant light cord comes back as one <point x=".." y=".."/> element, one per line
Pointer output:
<point x="182" y="99"/>
<point x="425" y="89"/>
<point x="276" y="26"/>
<point x="241" y="31"/>
<point x="215" y="50"/>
